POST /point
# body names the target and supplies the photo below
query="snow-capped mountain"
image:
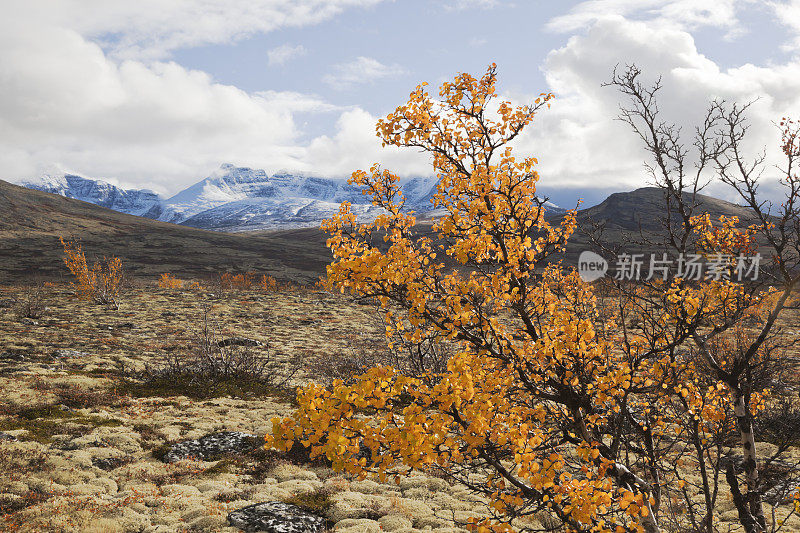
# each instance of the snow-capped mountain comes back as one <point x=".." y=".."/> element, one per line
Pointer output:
<point x="234" y="184"/>
<point x="244" y="199"/>
<point x="265" y="213"/>
<point x="131" y="201"/>
<point x="241" y="199"/>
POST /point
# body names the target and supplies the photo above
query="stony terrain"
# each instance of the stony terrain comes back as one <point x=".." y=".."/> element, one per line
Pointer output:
<point x="83" y="445"/>
<point x="89" y="444"/>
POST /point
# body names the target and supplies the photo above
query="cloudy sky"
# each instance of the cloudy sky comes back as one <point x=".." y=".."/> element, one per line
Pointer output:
<point x="158" y="94"/>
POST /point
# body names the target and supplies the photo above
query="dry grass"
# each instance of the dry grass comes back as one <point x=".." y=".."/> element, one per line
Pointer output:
<point x="90" y="429"/>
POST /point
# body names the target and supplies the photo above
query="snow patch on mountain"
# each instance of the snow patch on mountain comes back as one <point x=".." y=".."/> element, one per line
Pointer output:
<point x="131" y="201"/>
<point x="243" y="199"/>
<point x="253" y="214"/>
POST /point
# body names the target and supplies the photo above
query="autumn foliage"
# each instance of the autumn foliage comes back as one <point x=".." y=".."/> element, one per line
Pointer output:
<point x="168" y="281"/>
<point x="264" y="283"/>
<point x="101" y="283"/>
<point x="552" y="407"/>
<point x="248" y="281"/>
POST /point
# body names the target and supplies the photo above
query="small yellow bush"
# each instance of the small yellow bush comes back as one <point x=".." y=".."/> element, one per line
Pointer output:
<point x="168" y="281"/>
<point x="101" y="283"/>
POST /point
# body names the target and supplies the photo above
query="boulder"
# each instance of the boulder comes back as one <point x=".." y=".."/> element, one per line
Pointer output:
<point x="212" y="446"/>
<point x="110" y="463"/>
<point x="276" y="517"/>
<point x="69" y="353"/>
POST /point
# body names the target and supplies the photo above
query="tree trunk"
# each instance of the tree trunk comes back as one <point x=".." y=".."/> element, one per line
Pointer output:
<point x="745" y="517"/>
<point x="626" y="478"/>
<point x="744" y="423"/>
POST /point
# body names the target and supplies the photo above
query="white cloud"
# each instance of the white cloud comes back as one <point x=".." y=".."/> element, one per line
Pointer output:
<point x="684" y="14"/>
<point x="282" y="54"/>
<point x="153" y="28"/>
<point x="788" y="13"/>
<point x="294" y="102"/>
<point x="362" y="70"/>
<point x="579" y="143"/>
<point x="355" y="146"/>
<point x="66" y="103"/>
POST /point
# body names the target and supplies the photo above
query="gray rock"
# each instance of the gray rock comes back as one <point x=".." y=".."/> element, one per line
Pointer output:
<point x="211" y="446"/>
<point x="110" y="463"/>
<point x="239" y="341"/>
<point x="276" y="517"/>
<point x="69" y="353"/>
<point x="12" y="356"/>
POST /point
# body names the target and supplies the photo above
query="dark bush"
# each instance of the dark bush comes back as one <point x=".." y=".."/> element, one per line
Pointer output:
<point x="214" y="366"/>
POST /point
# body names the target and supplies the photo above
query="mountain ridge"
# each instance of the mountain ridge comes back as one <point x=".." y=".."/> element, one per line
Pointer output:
<point x="130" y="201"/>
<point x="34" y="220"/>
<point x="236" y="199"/>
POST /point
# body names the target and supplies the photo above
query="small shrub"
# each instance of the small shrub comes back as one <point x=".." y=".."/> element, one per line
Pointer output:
<point x="80" y="397"/>
<point x="147" y="432"/>
<point x="160" y="452"/>
<point x="258" y="462"/>
<point x="323" y="284"/>
<point x="31" y="302"/>
<point x="225" y="465"/>
<point x="359" y="356"/>
<point x="215" y="366"/>
<point x="246" y="281"/>
<point x="318" y="502"/>
<point x="779" y="424"/>
<point x="29" y="499"/>
<point x="423" y="358"/>
<point x="168" y="281"/>
<point x="102" y="283"/>
<point x="254" y="281"/>
<point x="268" y="284"/>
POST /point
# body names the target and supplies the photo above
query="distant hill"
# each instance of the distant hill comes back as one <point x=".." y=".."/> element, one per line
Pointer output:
<point x="625" y="219"/>
<point x="644" y="208"/>
<point x="32" y="222"/>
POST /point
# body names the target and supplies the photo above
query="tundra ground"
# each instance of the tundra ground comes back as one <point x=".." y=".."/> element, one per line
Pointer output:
<point x="81" y="433"/>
